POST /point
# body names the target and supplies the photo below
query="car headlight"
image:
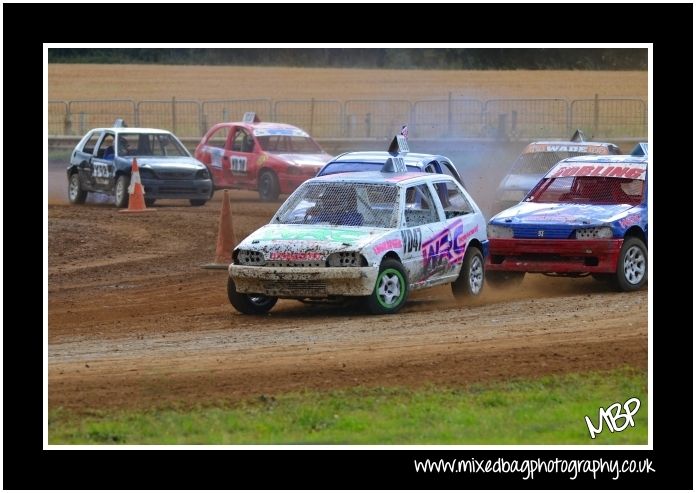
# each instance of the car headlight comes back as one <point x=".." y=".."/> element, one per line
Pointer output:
<point x="202" y="174"/>
<point x="248" y="257"/>
<point x="346" y="259"/>
<point x="495" y="231"/>
<point x="590" y="233"/>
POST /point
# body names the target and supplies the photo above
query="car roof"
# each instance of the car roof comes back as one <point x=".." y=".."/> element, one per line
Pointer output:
<point x="615" y="159"/>
<point x="410" y="158"/>
<point x="262" y="125"/>
<point x="532" y="147"/>
<point x="377" y="177"/>
<point x="131" y="130"/>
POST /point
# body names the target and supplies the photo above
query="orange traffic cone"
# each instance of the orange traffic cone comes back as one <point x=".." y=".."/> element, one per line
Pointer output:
<point x="136" y="200"/>
<point x="225" y="240"/>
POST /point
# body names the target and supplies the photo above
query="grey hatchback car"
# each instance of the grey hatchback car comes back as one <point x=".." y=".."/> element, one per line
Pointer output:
<point x="101" y="162"/>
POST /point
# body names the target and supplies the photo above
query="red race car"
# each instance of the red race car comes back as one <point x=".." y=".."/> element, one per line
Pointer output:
<point x="272" y="158"/>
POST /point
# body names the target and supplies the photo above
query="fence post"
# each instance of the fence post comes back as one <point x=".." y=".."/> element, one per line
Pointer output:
<point x="513" y="122"/>
<point x="204" y="123"/>
<point x="224" y="115"/>
<point x="174" y="115"/>
<point x="67" y="124"/>
<point x="502" y="121"/>
<point x="368" y="123"/>
<point x="311" y="118"/>
<point x="82" y="122"/>
<point x="449" y="115"/>
<point x="596" y="115"/>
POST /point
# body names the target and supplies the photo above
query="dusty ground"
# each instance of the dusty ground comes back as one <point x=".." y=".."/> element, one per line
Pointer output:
<point x="134" y="321"/>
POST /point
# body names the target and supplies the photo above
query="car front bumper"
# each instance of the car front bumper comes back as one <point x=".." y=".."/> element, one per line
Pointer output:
<point x="304" y="282"/>
<point x="561" y="256"/>
<point x="178" y="189"/>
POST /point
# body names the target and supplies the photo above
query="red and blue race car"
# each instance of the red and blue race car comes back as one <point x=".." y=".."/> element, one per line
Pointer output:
<point x="587" y="216"/>
<point x="272" y="158"/>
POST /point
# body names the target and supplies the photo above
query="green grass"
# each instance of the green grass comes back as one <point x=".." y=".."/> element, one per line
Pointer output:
<point x="548" y="410"/>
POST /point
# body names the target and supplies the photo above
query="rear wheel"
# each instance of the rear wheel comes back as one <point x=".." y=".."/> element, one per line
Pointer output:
<point x="391" y="288"/>
<point x="502" y="279"/>
<point x="150" y="202"/>
<point x="250" y="304"/>
<point x="632" y="269"/>
<point x="75" y="193"/>
<point x="470" y="280"/>
<point x="269" y="188"/>
<point x="197" y="202"/>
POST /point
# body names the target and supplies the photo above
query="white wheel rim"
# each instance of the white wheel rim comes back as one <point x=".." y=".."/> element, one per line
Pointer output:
<point x="119" y="190"/>
<point x="476" y="275"/>
<point x="634" y="265"/>
<point x="74" y="186"/>
<point x="389" y="288"/>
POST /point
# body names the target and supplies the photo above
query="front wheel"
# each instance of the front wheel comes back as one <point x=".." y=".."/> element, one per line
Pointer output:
<point x="391" y="289"/>
<point x="75" y="193"/>
<point x="121" y="191"/>
<point x="249" y="304"/>
<point x="632" y="269"/>
<point x="470" y="280"/>
<point x="269" y="188"/>
<point x="197" y="202"/>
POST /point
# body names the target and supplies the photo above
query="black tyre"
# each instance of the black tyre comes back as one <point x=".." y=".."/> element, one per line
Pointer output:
<point x="632" y="268"/>
<point x="269" y="188"/>
<point x="248" y="303"/>
<point x="121" y="191"/>
<point x="150" y="202"/>
<point x="197" y="202"/>
<point x="470" y="280"/>
<point x="391" y="288"/>
<point x="502" y="279"/>
<point x="75" y="193"/>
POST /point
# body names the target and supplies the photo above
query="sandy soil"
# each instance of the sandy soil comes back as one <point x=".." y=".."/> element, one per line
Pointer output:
<point x="134" y="322"/>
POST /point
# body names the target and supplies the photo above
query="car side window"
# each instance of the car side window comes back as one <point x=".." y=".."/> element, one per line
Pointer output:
<point x="91" y="143"/>
<point x="419" y="207"/>
<point x="454" y="202"/>
<point x="243" y="142"/>
<point x="219" y="137"/>
<point x="106" y="148"/>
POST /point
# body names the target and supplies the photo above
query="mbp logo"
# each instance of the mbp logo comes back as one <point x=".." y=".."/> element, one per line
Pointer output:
<point x="613" y="414"/>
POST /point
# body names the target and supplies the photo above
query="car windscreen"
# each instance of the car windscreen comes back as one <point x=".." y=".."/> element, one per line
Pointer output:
<point x="538" y="163"/>
<point x="342" y="204"/>
<point x="588" y="190"/>
<point x="150" y="145"/>
<point x="288" y="144"/>
<point x="352" y="166"/>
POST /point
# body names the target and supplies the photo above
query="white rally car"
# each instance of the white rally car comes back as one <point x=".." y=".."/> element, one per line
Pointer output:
<point x="375" y="235"/>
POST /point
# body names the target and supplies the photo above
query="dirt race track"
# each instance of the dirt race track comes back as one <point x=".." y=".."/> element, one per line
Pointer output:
<point x="134" y="322"/>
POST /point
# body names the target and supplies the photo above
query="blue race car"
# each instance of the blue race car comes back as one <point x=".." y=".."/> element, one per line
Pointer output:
<point x="374" y="160"/>
<point x="101" y="162"/>
<point x="587" y="216"/>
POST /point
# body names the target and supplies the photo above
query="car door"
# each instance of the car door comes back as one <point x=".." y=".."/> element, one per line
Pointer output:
<point x="240" y="156"/>
<point x="419" y="225"/>
<point x="84" y="157"/>
<point x="460" y="223"/>
<point x="214" y="154"/>
<point x="103" y="169"/>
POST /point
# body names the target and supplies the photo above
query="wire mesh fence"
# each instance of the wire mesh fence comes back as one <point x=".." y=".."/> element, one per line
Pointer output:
<point x="374" y="118"/>
<point x="610" y="117"/>
<point x="321" y="118"/>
